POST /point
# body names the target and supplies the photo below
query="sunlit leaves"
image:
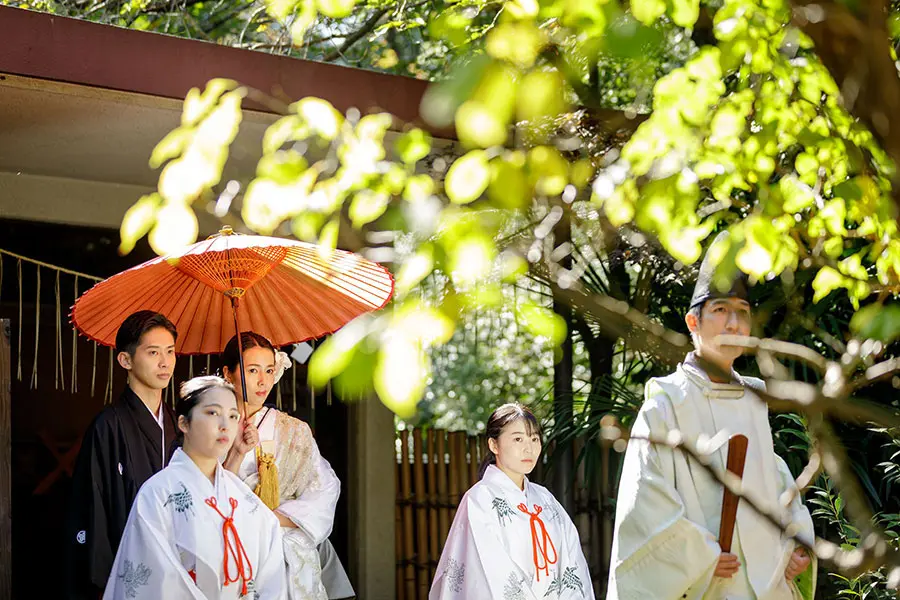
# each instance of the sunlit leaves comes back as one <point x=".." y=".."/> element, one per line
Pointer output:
<point x="516" y="42"/>
<point x="320" y="116"/>
<point x="336" y="9"/>
<point x="471" y="259"/>
<point x="877" y="322"/>
<point x="542" y="322"/>
<point x="367" y="206"/>
<point x="400" y="375"/>
<point x="197" y="104"/>
<point x="176" y="227"/>
<point x="414" y="269"/>
<point x="468" y="178"/>
<point x="413" y="146"/>
<point x="137" y="221"/>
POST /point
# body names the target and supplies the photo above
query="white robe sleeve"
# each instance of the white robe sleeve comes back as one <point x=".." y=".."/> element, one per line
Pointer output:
<point x="147" y="563"/>
<point x="652" y="534"/>
<point x="313" y="511"/>
<point x="475" y="562"/>
<point x="800" y="518"/>
<point x="271" y="580"/>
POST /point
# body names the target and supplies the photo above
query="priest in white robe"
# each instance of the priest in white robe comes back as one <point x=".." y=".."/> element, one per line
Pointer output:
<point x="669" y="507"/>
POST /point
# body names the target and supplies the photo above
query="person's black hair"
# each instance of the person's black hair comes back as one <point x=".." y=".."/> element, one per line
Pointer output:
<point x="249" y="339"/>
<point x="499" y="419"/>
<point x="133" y="328"/>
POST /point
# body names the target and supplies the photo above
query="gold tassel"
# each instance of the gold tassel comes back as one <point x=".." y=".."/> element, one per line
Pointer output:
<point x="278" y="395"/>
<point x="267" y="488"/>
<point x="191" y="366"/>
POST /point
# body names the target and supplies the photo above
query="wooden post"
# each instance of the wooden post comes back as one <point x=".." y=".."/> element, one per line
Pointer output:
<point x="453" y="498"/>
<point x="444" y="511"/>
<point x="398" y="538"/>
<point x="5" y="461"/>
<point x="409" y="573"/>
<point x="433" y="526"/>
<point x="473" y="461"/>
<point x="421" y="516"/>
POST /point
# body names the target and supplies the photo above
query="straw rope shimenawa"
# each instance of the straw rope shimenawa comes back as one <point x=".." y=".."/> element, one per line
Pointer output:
<point x="61" y="322"/>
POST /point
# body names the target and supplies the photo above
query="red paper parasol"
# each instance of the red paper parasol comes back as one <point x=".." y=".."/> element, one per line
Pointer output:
<point x="282" y="289"/>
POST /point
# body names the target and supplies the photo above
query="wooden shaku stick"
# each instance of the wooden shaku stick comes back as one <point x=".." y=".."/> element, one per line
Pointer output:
<point x="737" y="455"/>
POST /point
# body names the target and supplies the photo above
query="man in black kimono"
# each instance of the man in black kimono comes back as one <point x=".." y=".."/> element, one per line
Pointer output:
<point x="127" y="443"/>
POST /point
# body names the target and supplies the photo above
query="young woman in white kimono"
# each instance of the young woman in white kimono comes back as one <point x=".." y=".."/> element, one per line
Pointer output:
<point x="511" y="539"/>
<point x="195" y="530"/>
<point x="277" y="457"/>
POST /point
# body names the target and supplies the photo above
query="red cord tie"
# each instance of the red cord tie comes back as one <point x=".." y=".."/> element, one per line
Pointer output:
<point x="234" y="548"/>
<point x="540" y="542"/>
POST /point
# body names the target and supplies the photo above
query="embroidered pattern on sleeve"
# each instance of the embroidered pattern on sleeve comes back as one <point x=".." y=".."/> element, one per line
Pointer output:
<point x="134" y="577"/>
<point x="505" y="513"/>
<point x="455" y="574"/>
<point x="252" y="592"/>
<point x="182" y="501"/>
<point x="513" y="590"/>
<point x="251" y="499"/>
<point x="568" y="580"/>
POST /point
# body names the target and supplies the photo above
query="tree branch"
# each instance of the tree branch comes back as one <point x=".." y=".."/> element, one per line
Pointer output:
<point x="357" y="35"/>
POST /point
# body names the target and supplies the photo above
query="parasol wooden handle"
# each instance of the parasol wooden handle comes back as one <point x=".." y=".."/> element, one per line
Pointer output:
<point x="737" y="456"/>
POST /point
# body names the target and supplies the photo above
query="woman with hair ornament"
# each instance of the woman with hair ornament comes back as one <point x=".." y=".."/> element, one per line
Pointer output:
<point x="195" y="530"/>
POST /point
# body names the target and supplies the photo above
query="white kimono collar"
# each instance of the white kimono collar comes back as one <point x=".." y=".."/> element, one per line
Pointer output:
<point x="711" y="389"/>
<point x="494" y="476"/>
<point x="181" y="459"/>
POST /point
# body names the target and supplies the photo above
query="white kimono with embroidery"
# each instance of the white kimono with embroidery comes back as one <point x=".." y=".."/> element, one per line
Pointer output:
<point x="174" y="545"/>
<point x="510" y="544"/>
<point x="308" y="490"/>
<point x="669" y="508"/>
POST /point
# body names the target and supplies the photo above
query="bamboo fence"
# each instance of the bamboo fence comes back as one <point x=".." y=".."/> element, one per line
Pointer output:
<point x="436" y="467"/>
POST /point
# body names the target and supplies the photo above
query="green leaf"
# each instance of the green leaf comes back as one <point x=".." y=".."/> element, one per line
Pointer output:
<point x="284" y="129"/>
<point x="471" y="258"/>
<point x="414" y="269"/>
<point x="196" y="105"/>
<point x="827" y="280"/>
<point x="468" y="177"/>
<point x="367" y="206"/>
<point x="328" y="238"/>
<point x="509" y="187"/>
<point x="306" y="225"/>
<point x="877" y="322"/>
<point x="320" y="116"/>
<point x="413" y="146"/>
<point x="685" y="12"/>
<point x="333" y="356"/>
<point x="171" y="146"/>
<point x="542" y="322"/>
<point x="648" y="11"/>
<point x="175" y="228"/>
<point x="336" y="9"/>
<point x="280" y="9"/>
<point x="137" y="221"/>
<point x="401" y="375"/>
<point x="305" y="18"/>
